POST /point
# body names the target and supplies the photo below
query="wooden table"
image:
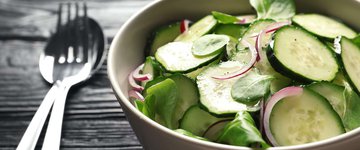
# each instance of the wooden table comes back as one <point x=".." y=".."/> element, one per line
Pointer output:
<point x="93" y="117"/>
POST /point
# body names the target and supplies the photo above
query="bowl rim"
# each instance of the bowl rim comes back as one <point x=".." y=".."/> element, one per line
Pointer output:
<point x="119" y="94"/>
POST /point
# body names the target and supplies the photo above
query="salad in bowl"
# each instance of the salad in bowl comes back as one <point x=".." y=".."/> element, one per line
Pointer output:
<point x="274" y="78"/>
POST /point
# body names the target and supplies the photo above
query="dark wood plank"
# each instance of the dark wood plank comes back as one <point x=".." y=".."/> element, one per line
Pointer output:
<point x="35" y="19"/>
<point x="93" y="117"/>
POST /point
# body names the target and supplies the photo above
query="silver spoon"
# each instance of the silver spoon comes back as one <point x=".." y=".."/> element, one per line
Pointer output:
<point x="66" y="61"/>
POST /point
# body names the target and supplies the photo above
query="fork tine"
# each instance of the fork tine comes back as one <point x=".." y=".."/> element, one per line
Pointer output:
<point x="77" y="25"/>
<point x="58" y="26"/>
<point x="86" y="36"/>
<point x="67" y="41"/>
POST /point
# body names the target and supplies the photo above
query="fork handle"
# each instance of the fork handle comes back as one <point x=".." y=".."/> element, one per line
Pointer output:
<point x="53" y="131"/>
<point x="32" y="133"/>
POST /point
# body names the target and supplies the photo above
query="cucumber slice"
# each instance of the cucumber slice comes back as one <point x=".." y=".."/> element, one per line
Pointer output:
<point x="193" y="74"/>
<point x="164" y="35"/>
<point x="215" y="94"/>
<point x="188" y="94"/>
<point x="323" y="26"/>
<point x="215" y="130"/>
<point x="300" y="55"/>
<point x="333" y="93"/>
<point x="197" y="121"/>
<point x="302" y="119"/>
<point x="233" y="30"/>
<point x="209" y="45"/>
<point x="350" y="56"/>
<point x="200" y="28"/>
<point x="177" y="57"/>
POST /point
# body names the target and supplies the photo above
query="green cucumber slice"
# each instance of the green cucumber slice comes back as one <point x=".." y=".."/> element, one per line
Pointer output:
<point x="215" y="130"/>
<point x="299" y="55"/>
<point x="333" y="93"/>
<point x="197" y="120"/>
<point x="193" y="74"/>
<point x="177" y="57"/>
<point x="215" y="94"/>
<point x="200" y="28"/>
<point x="350" y="58"/>
<point x="323" y="26"/>
<point x="305" y="118"/>
<point x="209" y="44"/>
<point x="164" y="35"/>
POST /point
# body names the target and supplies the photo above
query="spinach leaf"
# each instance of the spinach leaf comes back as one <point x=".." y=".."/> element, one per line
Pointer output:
<point x="351" y="117"/>
<point x="139" y="105"/>
<point x="274" y="9"/>
<point x="189" y="134"/>
<point x="148" y="107"/>
<point x="224" y="18"/>
<point x="163" y="103"/>
<point x="250" y="88"/>
<point x="242" y="132"/>
<point x="168" y="98"/>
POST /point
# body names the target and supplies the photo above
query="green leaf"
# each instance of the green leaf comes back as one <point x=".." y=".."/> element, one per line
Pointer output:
<point x="168" y="98"/>
<point x="242" y="132"/>
<point x="149" y="106"/>
<point x="139" y="105"/>
<point x="274" y="9"/>
<point x="164" y="102"/>
<point x="234" y="30"/>
<point x="189" y="134"/>
<point x="356" y="40"/>
<point x="250" y="88"/>
<point x="351" y="117"/>
<point x="224" y="18"/>
<point x="153" y="82"/>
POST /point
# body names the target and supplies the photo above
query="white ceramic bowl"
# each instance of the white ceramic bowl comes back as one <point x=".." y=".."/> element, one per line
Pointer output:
<point x="127" y="52"/>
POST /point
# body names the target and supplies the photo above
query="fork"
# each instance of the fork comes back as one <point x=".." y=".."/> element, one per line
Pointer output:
<point x="66" y="61"/>
<point x="76" y="69"/>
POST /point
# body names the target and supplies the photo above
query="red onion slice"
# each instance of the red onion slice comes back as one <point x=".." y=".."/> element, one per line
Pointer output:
<point x="184" y="25"/>
<point x="285" y="92"/>
<point x="141" y="77"/>
<point x="271" y="28"/>
<point x="133" y="83"/>
<point x="135" y="94"/>
<point x="241" y="21"/>
<point x="244" y="69"/>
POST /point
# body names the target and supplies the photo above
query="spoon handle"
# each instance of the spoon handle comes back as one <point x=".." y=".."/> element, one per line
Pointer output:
<point x="32" y="133"/>
<point x="53" y="131"/>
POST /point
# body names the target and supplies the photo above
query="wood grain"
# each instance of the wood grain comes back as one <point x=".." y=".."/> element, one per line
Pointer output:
<point x="93" y="117"/>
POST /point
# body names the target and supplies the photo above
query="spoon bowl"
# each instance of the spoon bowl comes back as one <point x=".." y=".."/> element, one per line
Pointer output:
<point x="73" y="54"/>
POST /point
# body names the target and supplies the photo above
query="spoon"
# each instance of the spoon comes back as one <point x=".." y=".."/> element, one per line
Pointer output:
<point x="63" y="75"/>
